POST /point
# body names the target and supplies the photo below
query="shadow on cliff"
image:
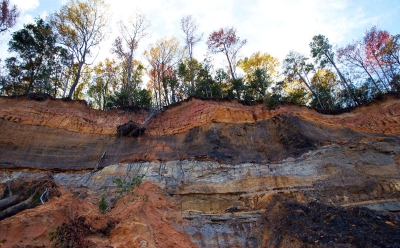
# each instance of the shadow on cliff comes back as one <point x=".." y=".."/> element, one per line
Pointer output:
<point x="286" y="222"/>
<point x="271" y="140"/>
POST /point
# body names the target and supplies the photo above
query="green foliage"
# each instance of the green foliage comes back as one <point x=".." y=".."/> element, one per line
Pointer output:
<point x="321" y="50"/>
<point x="144" y="98"/>
<point x="272" y="100"/>
<point x="103" y="204"/>
<point x="37" y="60"/>
<point x="117" y="100"/>
<point x="297" y="97"/>
<point x="71" y="233"/>
<point x="125" y="187"/>
<point x="120" y="99"/>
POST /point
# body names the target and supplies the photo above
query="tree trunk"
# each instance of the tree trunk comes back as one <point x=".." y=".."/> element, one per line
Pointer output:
<point x="30" y="83"/>
<point x="191" y="73"/>
<point x="383" y="72"/>
<point x="159" y="87"/>
<point x="78" y="75"/>
<point x="372" y="79"/>
<point x="155" y="89"/>
<point x="233" y="76"/>
<point x="16" y="208"/>
<point x="9" y="201"/>
<point x="129" y="80"/>
<point x="343" y="80"/>
<point x="310" y="89"/>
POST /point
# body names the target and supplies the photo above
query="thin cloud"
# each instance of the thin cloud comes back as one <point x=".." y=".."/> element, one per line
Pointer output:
<point x="25" y="5"/>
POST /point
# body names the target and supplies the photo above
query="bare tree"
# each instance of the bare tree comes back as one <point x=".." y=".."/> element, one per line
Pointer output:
<point x="125" y="46"/>
<point x="354" y="55"/>
<point x="226" y="42"/>
<point x="8" y="15"/>
<point x="81" y="25"/>
<point x="190" y="27"/>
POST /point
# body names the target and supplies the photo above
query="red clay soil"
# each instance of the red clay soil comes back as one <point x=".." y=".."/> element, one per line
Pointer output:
<point x="145" y="219"/>
<point x="75" y="116"/>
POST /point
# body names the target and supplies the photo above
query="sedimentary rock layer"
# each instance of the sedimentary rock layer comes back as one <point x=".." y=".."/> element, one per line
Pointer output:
<point x="56" y="134"/>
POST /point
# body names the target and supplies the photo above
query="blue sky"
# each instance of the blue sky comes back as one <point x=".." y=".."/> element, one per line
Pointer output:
<point x="275" y="27"/>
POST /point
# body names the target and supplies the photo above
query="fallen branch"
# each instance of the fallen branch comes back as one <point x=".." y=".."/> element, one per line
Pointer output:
<point x="17" y="208"/>
<point x="9" y="201"/>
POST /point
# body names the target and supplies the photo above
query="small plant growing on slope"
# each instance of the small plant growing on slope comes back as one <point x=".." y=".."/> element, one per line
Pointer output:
<point x="125" y="187"/>
<point x="103" y="204"/>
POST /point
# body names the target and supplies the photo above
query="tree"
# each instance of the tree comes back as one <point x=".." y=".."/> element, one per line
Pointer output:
<point x="374" y="43"/>
<point x="221" y="78"/>
<point x="81" y="89"/>
<point x="296" y="69"/>
<point x="205" y="83"/>
<point x="81" y="27"/>
<point x="261" y="70"/>
<point x="295" y="92"/>
<point x="391" y="51"/>
<point x="8" y="15"/>
<point x="354" y="55"/>
<point x="103" y="82"/>
<point x="171" y="81"/>
<point x="322" y="53"/>
<point x="163" y="55"/>
<point x="38" y="57"/>
<point x="184" y="75"/>
<point x="125" y="46"/>
<point x="227" y="42"/>
<point x="325" y="83"/>
<point x="192" y="37"/>
<point x="391" y="57"/>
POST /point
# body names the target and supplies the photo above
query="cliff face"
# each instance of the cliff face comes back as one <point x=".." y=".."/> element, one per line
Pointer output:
<point x="217" y="174"/>
<point x="55" y="134"/>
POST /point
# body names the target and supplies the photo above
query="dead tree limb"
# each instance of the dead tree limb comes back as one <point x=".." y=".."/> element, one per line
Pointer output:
<point x="10" y="201"/>
<point x="17" y="208"/>
<point x="84" y="180"/>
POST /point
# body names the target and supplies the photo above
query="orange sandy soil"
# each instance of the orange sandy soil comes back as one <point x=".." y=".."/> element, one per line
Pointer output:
<point x="142" y="220"/>
<point x="75" y="116"/>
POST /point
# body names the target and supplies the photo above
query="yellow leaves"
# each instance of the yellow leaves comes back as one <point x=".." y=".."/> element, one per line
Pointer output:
<point x="259" y="60"/>
<point x="166" y="51"/>
<point x="325" y="78"/>
<point x="295" y="85"/>
<point x="81" y="23"/>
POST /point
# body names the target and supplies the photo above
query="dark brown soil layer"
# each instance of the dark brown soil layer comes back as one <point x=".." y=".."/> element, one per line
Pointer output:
<point x="319" y="225"/>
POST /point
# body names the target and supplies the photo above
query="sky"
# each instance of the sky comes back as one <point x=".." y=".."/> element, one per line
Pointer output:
<point x="274" y="27"/>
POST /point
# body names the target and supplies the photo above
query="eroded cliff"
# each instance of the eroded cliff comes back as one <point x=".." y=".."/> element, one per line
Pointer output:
<point x="217" y="173"/>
